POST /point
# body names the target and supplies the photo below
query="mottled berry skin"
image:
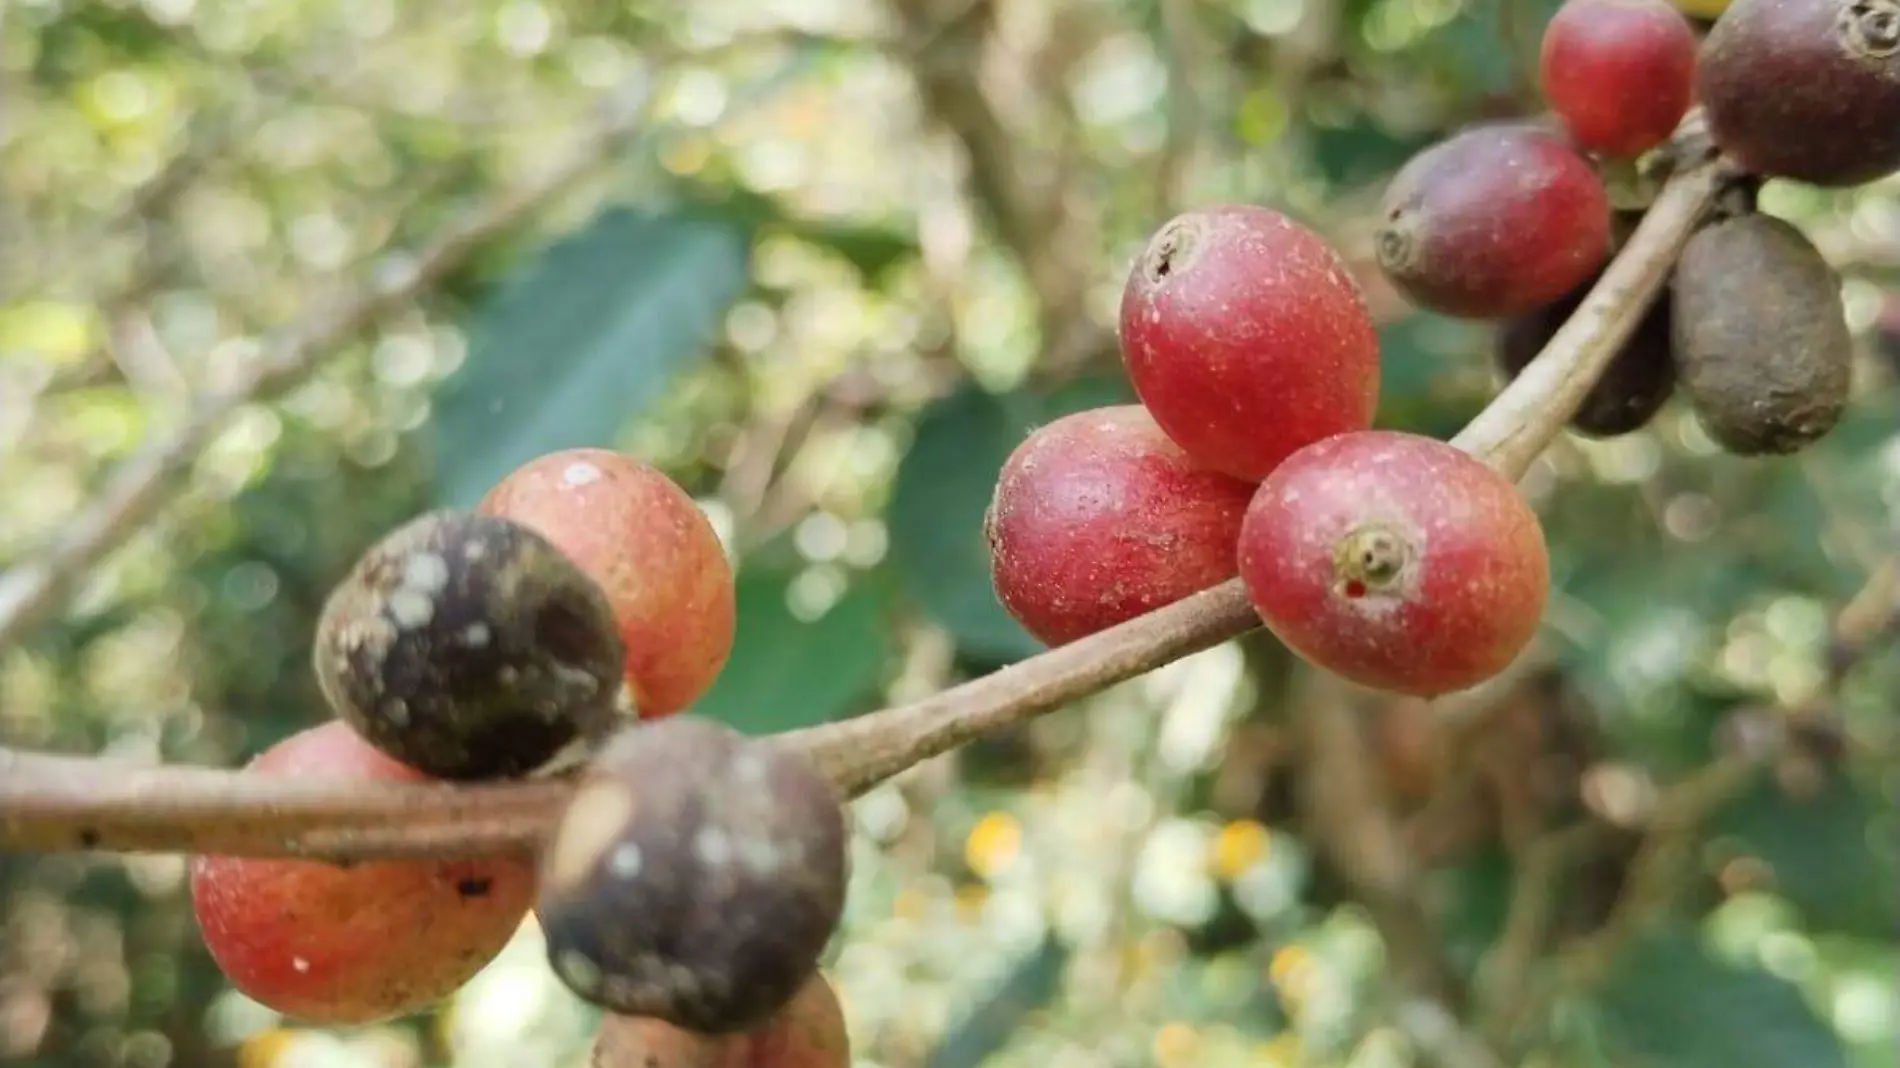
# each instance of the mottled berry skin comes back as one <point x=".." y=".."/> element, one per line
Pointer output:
<point x="1641" y="376"/>
<point x="1099" y="517"/>
<point x="695" y="877"/>
<point x="809" y="1032"/>
<point x="1492" y="222"/>
<point x="342" y="946"/>
<point x="469" y="647"/>
<point x="1805" y="89"/>
<point x="654" y="552"/>
<point x="1619" y="73"/>
<point x="1397" y="562"/>
<point x="1763" y="351"/>
<point x="1247" y="336"/>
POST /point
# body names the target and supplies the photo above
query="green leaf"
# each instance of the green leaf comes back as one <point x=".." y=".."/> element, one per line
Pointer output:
<point x="1670" y="1004"/>
<point x="1829" y="854"/>
<point x="1429" y="381"/>
<point x="873" y="249"/>
<point x="1360" y="150"/>
<point x="583" y="338"/>
<point x="944" y="485"/>
<point x="787" y="671"/>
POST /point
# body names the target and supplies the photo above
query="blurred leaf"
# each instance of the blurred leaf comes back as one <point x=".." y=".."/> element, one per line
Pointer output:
<point x="1670" y="1004"/>
<point x="1490" y="48"/>
<point x="1829" y="857"/>
<point x="1433" y="374"/>
<point x="1477" y="895"/>
<point x="582" y="339"/>
<point x="873" y="250"/>
<point x="786" y="672"/>
<point x="1029" y="987"/>
<point x="944" y="485"/>
<point x="1361" y="150"/>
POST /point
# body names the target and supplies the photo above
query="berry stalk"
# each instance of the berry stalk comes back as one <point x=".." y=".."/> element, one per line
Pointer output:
<point x="57" y="803"/>
<point x="1520" y="422"/>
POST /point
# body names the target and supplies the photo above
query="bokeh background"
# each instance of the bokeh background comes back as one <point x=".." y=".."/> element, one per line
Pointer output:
<point x="826" y="261"/>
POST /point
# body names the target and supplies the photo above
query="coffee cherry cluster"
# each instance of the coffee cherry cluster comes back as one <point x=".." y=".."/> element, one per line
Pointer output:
<point x="1392" y="559"/>
<point x="696" y="875"/>
<point x="1752" y="330"/>
<point x="1398" y="561"/>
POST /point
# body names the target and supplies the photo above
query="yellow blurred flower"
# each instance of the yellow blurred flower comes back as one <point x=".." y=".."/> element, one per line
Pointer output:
<point x="993" y="844"/>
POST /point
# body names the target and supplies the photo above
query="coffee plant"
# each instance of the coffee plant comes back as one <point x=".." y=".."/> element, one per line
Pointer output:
<point x="1349" y="597"/>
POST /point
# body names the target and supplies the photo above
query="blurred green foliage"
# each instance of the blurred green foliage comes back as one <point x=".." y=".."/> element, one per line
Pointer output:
<point x="829" y="296"/>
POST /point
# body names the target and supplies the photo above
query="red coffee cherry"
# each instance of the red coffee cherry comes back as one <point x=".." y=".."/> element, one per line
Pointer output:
<point x="1493" y="222"/>
<point x="343" y="946"/>
<point x="1247" y="336"/>
<point x="1619" y="73"/>
<point x="1099" y="517"/>
<point x="1806" y="89"/>
<point x="1396" y="561"/>
<point x="651" y="549"/>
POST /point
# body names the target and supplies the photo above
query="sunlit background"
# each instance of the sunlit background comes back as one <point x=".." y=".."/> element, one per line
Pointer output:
<point x="846" y="254"/>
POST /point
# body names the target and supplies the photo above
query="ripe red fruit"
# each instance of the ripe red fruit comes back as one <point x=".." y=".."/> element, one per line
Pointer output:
<point x="1099" y="517"/>
<point x="1493" y="222"/>
<point x="648" y="545"/>
<point x="1805" y="89"/>
<point x="343" y="946"/>
<point x="1247" y="336"/>
<point x="1619" y="73"/>
<point x="1396" y="561"/>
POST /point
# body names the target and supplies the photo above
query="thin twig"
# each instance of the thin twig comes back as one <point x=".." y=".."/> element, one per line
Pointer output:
<point x="51" y="803"/>
<point x="1351" y="820"/>
<point x="33" y="588"/>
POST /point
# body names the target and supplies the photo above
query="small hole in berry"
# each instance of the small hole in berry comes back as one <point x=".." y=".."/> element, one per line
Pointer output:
<point x="1872" y="27"/>
<point x="1173" y="250"/>
<point x="1393" y="246"/>
<point x="1355" y="589"/>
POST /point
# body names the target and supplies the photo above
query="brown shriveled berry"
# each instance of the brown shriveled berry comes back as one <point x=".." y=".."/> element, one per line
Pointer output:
<point x="1247" y="336"/>
<point x="1640" y="379"/>
<point x="1099" y="517"/>
<point x="651" y="549"/>
<point x="1805" y="89"/>
<point x="1396" y="561"/>
<point x="469" y="647"/>
<point x="344" y="946"/>
<point x="1763" y="352"/>
<point x="695" y="877"/>
<point x="809" y="1032"/>
<point x="1494" y="221"/>
<point x="1618" y="73"/>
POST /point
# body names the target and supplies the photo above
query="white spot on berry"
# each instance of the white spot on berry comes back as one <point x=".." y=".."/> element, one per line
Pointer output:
<point x="713" y="847"/>
<point x="410" y="609"/>
<point x="760" y="856"/>
<point x="425" y="572"/>
<point x="580" y="474"/>
<point x="476" y="635"/>
<point x="580" y="974"/>
<point x="625" y="861"/>
<point x="300" y="964"/>
<point x="749" y="769"/>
